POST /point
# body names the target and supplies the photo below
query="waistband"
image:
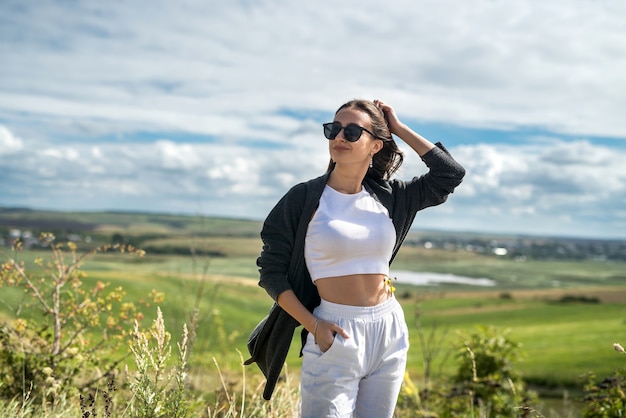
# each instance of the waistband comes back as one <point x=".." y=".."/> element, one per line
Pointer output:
<point x="337" y="310"/>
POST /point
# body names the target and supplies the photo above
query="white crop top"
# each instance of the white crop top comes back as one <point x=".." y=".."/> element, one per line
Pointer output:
<point x="349" y="234"/>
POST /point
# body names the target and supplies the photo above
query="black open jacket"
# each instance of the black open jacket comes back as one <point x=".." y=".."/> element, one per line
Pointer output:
<point x="281" y="262"/>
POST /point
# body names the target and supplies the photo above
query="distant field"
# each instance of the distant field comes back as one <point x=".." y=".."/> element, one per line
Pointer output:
<point x="511" y="274"/>
<point x="131" y="223"/>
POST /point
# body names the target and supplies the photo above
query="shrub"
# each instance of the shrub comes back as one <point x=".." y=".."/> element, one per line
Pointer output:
<point x="607" y="398"/>
<point x="65" y="335"/>
<point x="486" y="383"/>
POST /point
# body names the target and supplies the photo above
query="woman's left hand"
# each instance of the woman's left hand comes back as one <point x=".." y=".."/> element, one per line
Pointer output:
<point x="393" y="122"/>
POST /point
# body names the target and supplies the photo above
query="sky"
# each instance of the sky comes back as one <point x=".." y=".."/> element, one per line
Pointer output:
<point x="214" y="108"/>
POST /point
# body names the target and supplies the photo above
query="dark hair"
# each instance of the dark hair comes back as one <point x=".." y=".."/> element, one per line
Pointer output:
<point x="389" y="159"/>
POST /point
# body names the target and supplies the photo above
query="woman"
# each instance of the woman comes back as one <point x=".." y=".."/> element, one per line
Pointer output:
<point x="327" y="247"/>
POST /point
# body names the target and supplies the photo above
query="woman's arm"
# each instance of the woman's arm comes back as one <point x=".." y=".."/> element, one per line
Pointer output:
<point x="445" y="173"/>
<point x="278" y="235"/>
<point x="417" y="142"/>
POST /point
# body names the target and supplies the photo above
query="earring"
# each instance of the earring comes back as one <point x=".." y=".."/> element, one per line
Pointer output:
<point x="371" y="161"/>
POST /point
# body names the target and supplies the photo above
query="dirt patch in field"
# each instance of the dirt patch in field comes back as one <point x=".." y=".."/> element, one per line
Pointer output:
<point x="602" y="294"/>
<point x="234" y="279"/>
<point x="218" y="278"/>
<point x="479" y="309"/>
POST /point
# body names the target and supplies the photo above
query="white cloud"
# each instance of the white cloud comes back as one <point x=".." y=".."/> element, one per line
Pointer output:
<point x="210" y="69"/>
<point x="8" y="142"/>
<point x="535" y="188"/>
<point x="98" y="100"/>
<point x="554" y="188"/>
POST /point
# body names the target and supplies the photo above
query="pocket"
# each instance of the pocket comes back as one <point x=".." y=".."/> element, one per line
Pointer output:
<point x="311" y="348"/>
<point x="332" y="345"/>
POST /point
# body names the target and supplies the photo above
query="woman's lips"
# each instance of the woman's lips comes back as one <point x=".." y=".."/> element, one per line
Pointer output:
<point x="341" y="148"/>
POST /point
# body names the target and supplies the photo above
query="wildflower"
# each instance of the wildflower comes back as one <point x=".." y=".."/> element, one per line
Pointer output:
<point x="389" y="284"/>
<point x="619" y="348"/>
<point x="47" y="371"/>
<point x="111" y="321"/>
<point x="20" y="325"/>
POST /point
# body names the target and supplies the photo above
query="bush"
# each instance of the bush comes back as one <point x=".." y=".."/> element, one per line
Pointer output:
<point x="65" y="336"/>
<point x="486" y="383"/>
<point x="607" y="398"/>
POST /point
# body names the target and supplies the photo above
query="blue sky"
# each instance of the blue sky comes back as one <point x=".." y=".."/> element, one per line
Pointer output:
<point x="215" y="108"/>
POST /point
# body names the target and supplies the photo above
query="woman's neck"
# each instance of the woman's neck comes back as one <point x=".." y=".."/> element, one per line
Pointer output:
<point x="344" y="181"/>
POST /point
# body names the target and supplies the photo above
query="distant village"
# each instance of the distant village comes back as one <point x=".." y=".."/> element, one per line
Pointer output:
<point x="30" y="240"/>
<point x="517" y="248"/>
<point x="528" y="247"/>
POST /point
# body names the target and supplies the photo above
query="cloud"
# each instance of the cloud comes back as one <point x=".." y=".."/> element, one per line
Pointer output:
<point x="546" y="187"/>
<point x="209" y="69"/>
<point x="507" y="188"/>
<point x="9" y="143"/>
<point x="201" y="106"/>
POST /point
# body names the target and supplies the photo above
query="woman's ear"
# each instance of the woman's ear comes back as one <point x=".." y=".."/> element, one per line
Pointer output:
<point x="378" y="145"/>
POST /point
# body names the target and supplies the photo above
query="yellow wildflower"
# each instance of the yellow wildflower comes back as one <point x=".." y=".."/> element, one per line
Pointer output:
<point x="20" y="325"/>
<point x="389" y="284"/>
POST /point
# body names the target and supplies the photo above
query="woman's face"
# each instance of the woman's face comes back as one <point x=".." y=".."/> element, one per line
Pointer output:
<point x="357" y="153"/>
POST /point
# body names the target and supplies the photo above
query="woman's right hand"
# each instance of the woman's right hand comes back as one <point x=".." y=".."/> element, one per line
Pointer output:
<point x="325" y="333"/>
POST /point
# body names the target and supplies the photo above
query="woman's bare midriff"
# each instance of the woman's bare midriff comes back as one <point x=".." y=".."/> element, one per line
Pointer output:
<point x="354" y="289"/>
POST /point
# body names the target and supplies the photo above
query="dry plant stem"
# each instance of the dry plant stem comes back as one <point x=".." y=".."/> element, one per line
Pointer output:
<point x="243" y="390"/>
<point x="474" y="373"/>
<point x="219" y="372"/>
<point x="193" y="323"/>
<point x="31" y="286"/>
<point x="60" y="280"/>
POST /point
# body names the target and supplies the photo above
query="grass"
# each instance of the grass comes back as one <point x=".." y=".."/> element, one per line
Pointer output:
<point x="561" y="341"/>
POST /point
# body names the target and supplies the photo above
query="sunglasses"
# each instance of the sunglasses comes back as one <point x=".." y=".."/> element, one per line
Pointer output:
<point x="351" y="133"/>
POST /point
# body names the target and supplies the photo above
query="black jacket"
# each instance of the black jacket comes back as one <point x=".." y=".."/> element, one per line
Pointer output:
<point x="282" y="265"/>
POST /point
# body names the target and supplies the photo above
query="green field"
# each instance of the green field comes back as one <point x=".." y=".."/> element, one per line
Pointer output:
<point x="566" y="314"/>
<point x="561" y="340"/>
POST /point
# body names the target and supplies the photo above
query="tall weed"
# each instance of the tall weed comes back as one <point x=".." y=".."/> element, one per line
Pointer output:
<point x="153" y="394"/>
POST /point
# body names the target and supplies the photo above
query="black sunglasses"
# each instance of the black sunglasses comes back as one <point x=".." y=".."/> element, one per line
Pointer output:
<point x="351" y="133"/>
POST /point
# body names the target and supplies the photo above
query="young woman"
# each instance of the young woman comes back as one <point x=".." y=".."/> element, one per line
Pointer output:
<point x="327" y="248"/>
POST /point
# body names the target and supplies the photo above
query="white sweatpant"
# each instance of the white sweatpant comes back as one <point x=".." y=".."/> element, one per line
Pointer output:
<point x="358" y="376"/>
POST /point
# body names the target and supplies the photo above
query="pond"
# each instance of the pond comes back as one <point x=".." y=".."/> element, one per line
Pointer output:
<point x="429" y="279"/>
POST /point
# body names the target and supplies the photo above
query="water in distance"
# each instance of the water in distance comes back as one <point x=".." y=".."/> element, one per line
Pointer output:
<point x="429" y="279"/>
